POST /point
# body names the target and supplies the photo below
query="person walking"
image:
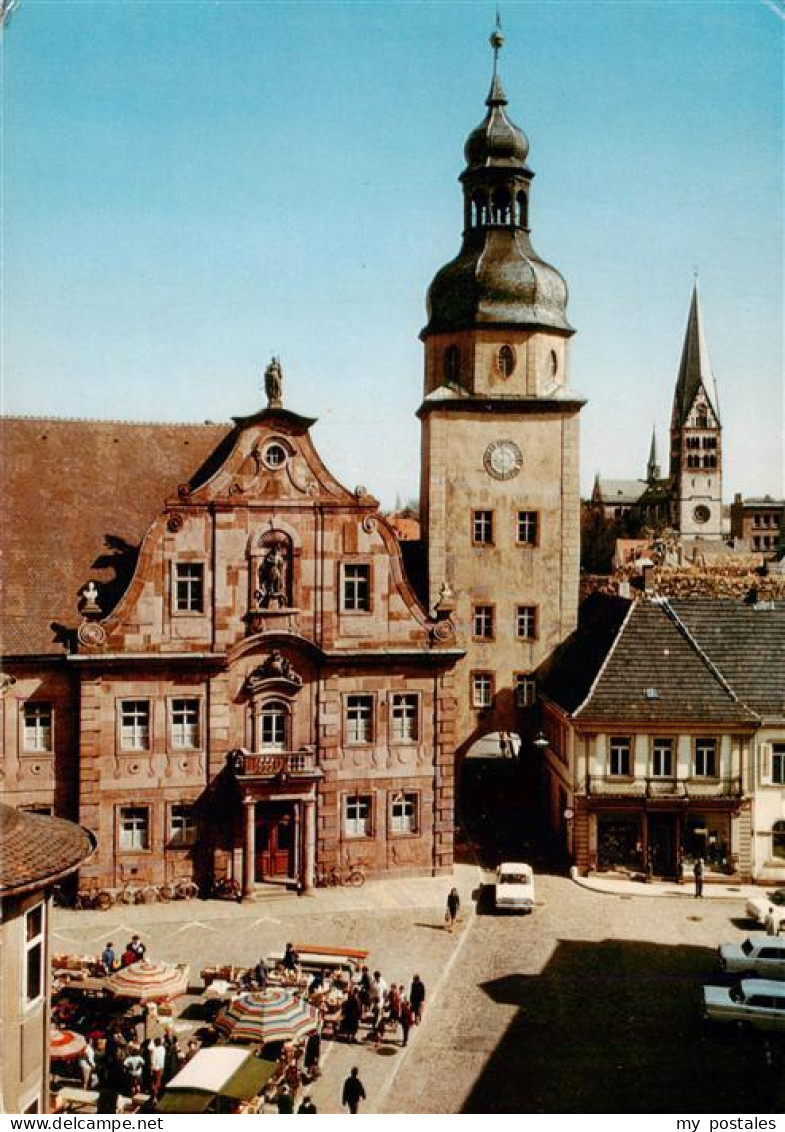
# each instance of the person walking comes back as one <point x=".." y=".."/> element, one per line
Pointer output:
<point x="87" y="1065"/>
<point x="406" y="1020"/>
<point x="453" y="905"/>
<point x="307" y="1105"/>
<point x="697" y="872"/>
<point x="417" y="998"/>
<point x="351" y="1015"/>
<point x="157" y="1066"/>
<point x="353" y="1091"/>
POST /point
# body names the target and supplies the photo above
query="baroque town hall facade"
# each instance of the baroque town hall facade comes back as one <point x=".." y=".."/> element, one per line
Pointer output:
<point x="253" y="689"/>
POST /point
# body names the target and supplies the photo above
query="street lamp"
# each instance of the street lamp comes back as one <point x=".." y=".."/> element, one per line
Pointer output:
<point x="540" y="741"/>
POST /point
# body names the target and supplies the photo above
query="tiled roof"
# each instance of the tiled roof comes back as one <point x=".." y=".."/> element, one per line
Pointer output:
<point x="747" y="644"/>
<point x="577" y="662"/>
<point x="649" y="669"/>
<point x="35" y="849"/>
<point x="77" y="499"/>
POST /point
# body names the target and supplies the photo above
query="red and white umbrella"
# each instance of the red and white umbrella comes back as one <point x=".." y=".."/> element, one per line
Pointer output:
<point x="148" y="982"/>
<point x="272" y="1015"/>
<point x="65" y="1045"/>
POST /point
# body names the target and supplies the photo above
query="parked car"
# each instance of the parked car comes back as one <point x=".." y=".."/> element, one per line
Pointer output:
<point x="514" y="887"/>
<point x="759" y="907"/>
<point x="759" y="955"/>
<point x="759" y="1003"/>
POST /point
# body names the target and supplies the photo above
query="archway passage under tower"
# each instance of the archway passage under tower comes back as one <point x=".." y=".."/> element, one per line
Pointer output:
<point x="497" y="799"/>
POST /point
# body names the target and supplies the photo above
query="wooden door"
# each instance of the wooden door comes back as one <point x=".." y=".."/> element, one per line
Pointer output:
<point x="274" y="841"/>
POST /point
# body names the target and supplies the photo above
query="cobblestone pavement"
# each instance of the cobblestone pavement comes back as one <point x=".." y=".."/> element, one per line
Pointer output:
<point x="591" y="1004"/>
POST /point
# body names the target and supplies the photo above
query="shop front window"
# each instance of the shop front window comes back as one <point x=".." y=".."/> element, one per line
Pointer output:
<point x="708" y="836"/>
<point x="618" y="842"/>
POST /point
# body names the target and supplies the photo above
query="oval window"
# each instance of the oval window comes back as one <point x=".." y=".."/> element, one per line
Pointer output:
<point x="506" y="361"/>
<point x="452" y="363"/>
<point x="701" y="514"/>
<point x="275" y="455"/>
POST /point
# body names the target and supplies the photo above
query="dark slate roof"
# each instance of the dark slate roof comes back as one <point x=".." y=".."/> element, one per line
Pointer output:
<point x="577" y="662"/>
<point x="35" y="849"/>
<point x="77" y="498"/>
<point x="651" y="649"/>
<point x="747" y="644"/>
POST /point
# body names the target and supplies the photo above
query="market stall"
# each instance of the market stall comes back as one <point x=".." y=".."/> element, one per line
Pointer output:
<point x="222" y="1079"/>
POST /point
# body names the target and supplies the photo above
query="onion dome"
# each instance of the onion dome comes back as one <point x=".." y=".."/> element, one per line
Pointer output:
<point x="497" y="140"/>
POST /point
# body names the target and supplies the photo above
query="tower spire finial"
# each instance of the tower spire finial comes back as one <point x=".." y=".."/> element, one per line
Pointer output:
<point x="497" y="40"/>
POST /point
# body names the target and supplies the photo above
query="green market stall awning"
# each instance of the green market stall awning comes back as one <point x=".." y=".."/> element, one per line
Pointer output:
<point x="214" y="1078"/>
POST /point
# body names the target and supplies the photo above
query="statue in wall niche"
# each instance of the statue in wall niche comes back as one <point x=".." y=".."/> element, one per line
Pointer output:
<point x="273" y="382"/>
<point x="272" y="579"/>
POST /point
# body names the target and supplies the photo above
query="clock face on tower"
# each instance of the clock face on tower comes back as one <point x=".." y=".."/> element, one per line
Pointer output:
<point x="502" y="459"/>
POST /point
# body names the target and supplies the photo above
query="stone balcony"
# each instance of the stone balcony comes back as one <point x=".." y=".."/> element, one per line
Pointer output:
<point x="273" y="764"/>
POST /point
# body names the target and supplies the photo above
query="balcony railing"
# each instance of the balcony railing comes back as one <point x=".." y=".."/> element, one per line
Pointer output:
<point x="244" y="764"/>
<point x="610" y="785"/>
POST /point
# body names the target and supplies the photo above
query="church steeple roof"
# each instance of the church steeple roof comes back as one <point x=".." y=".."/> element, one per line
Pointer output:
<point x="497" y="279"/>
<point x="695" y="371"/>
<point x="653" y="466"/>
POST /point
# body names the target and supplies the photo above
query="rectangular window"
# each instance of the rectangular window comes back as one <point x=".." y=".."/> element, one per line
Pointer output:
<point x="33" y="976"/>
<point x="705" y="758"/>
<point x="482" y="528"/>
<point x="357" y="587"/>
<point x="621" y="757"/>
<point x="403" y="813"/>
<point x="185" y="724"/>
<point x="482" y="622"/>
<point x="189" y="587"/>
<point x="135" y="725"/>
<point x="526" y="622"/>
<point x="182" y="826"/>
<point x="778" y="763"/>
<point x="359" y="719"/>
<point x="482" y="689"/>
<point x="357" y="815"/>
<point x="37" y="727"/>
<point x="525" y="688"/>
<point x="134" y="829"/>
<point x="528" y="524"/>
<point x="404" y="717"/>
<point x="662" y="758"/>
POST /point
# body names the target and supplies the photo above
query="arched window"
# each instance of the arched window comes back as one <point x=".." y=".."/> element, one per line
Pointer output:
<point x="506" y="361"/>
<point x="272" y="724"/>
<point x="778" y="839"/>
<point x="479" y="203"/>
<point x="523" y="210"/>
<point x="452" y="364"/>
<point x="501" y="207"/>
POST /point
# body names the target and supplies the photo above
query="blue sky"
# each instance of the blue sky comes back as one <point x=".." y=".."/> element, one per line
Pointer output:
<point x="191" y="187"/>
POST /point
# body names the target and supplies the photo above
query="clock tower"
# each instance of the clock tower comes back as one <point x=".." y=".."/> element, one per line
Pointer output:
<point x="500" y="479"/>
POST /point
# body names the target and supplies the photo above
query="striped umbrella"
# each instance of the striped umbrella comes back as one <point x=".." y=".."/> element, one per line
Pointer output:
<point x="148" y="982"/>
<point x="273" y="1015"/>
<point x="65" y="1045"/>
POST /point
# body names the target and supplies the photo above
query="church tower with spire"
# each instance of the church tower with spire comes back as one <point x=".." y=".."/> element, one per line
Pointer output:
<point x="499" y="477"/>
<point x="696" y="437"/>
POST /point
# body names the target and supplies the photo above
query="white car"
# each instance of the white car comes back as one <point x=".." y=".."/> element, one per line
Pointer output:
<point x="759" y="1003"/>
<point x="761" y="956"/>
<point x="514" y="887"/>
<point x="759" y="907"/>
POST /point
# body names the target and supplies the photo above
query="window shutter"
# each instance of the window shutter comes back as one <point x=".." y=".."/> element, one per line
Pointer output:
<point x="765" y="764"/>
